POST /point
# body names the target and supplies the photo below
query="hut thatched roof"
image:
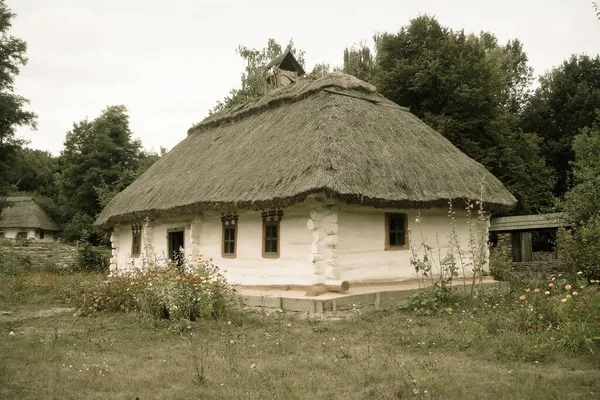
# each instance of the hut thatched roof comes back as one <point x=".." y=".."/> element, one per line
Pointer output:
<point x="23" y="212"/>
<point x="334" y="134"/>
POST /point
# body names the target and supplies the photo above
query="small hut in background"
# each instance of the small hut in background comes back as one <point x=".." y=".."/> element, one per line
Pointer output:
<point x="23" y="219"/>
<point x="514" y="234"/>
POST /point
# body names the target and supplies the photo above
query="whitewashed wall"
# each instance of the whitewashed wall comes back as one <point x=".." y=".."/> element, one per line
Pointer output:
<point x="361" y="253"/>
<point x="11" y="233"/>
<point x="202" y="236"/>
<point x="357" y="253"/>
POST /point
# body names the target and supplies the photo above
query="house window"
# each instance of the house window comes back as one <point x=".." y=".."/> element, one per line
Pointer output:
<point x="136" y="240"/>
<point x="396" y="231"/>
<point x="42" y="234"/>
<point x="22" y="235"/>
<point x="271" y="233"/>
<point x="229" y="237"/>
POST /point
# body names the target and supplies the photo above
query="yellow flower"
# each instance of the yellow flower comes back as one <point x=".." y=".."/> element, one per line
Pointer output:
<point x="564" y="300"/>
<point x="527" y="290"/>
<point x="551" y="285"/>
<point x="547" y="292"/>
<point x="523" y="298"/>
<point x="569" y="296"/>
<point x="575" y="293"/>
<point x="536" y="290"/>
<point x="568" y="287"/>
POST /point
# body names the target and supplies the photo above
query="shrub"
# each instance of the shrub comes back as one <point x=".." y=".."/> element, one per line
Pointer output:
<point x="90" y="258"/>
<point x="196" y="290"/>
<point x="501" y="266"/>
<point x="580" y="249"/>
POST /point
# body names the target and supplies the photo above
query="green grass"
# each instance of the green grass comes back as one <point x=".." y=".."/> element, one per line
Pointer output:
<point x="470" y="353"/>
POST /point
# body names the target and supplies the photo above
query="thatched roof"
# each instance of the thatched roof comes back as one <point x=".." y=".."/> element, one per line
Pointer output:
<point x="23" y="212"/>
<point x="334" y="134"/>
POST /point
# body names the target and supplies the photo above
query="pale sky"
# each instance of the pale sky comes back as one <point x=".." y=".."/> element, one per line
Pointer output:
<point x="169" y="62"/>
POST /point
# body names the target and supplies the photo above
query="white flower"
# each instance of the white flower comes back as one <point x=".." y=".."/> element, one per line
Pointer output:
<point x="12" y="333"/>
<point x="252" y="366"/>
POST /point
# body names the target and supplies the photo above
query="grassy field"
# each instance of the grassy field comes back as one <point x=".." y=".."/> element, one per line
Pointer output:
<point x="469" y="352"/>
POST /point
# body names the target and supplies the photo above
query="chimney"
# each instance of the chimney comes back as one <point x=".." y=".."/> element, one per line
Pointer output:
<point x="284" y="70"/>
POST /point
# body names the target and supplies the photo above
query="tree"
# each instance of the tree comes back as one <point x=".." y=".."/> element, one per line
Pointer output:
<point x="471" y="90"/>
<point x="563" y="104"/>
<point x="97" y="154"/>
<point x="360" y="62"/>
<point x="12" y="106"/>
<point x="253" y="79"/>
<point x="34" y="171"/>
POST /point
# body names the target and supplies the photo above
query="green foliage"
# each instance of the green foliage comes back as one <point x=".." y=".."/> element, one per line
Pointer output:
<point x="80" y="228"/>
<point x="196" y="291"/>
<point x="360" y="62"/>
<point x="92" y="258"/>
<point x="500" y="265"/>
<point x="96" y="154"/>
<point x="469" y="88"/>
<point x="564" y="103"/>
<point x="580" y="249"/>
<point x="34" y="171"/>
<point x="12" y="106"/>
<point x="253" y="80"/>
<point x="582" y="202"/>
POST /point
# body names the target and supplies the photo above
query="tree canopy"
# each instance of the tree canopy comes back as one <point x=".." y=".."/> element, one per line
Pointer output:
<point x="469" y="88"/>
<point x="13" y="111"/>
<point x="565" y="102"/>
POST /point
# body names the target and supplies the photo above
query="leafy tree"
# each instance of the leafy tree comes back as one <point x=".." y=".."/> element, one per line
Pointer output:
<point x="253" y="82"/>
<point x="471" y="90"/>
<point x="12" y="106"/>
<point x="34" y="171"/>
<point x="582" y="202"/>
<point x="580" y="247"/>
<point x="97" y="153"/>
<point x="360" y="62"/>
<point x="563" y="104"/>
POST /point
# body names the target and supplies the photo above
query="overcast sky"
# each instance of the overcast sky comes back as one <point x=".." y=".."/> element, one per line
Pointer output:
<point x="168" y="62"/>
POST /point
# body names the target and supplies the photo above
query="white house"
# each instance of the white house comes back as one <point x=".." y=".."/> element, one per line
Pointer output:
<point x="318" y="181"/>
<point x="24" y="219"/>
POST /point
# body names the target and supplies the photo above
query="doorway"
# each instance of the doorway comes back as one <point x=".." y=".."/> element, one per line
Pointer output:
<point x="175" y="242"/>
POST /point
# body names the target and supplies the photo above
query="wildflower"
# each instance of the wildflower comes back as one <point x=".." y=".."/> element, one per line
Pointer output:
<point x="547" y="292"/>
<point x="551" y="285"/>
<point x="580" y="273"/>
<point x="417" y="220"/>
<point x="523" y="297"/>
<point x="563" y="301"/>
<point x="252" y="366"/>
<point x="536" y="290"/>
<point x="12" y="333"/>
<point x="527" y="290"/>
<point x="568" y="287"/>
<point x="569" y="296"/>
<point x="575" y="293"/>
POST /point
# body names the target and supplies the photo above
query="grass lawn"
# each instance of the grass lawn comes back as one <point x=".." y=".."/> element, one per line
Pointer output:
<point x="469" y="353"/>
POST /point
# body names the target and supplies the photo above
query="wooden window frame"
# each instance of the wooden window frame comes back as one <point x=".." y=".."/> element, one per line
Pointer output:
<point x="389" y="247"/>
<point x="264" y="237"/>
<point x="235" y="240"/>
<point x="136" y="231"/>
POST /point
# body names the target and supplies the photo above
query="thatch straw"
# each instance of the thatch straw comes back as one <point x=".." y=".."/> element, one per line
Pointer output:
<point x="23" y="212"/>
<point x="335" y="134"/>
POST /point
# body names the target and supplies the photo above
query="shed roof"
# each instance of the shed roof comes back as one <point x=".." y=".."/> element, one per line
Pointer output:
<point x="528" y="222"/>
<point x="23" y="212"/>
<point x="286" y="61"/>
<point x="334" y="134"/>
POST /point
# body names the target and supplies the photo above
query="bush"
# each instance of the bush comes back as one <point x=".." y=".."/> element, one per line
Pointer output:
<point x="501" y="267"/>
<point x="90" y="258"/>
<point x="198" y="290"/>
<point x="580" y="249"/>
<point x="81" y="228"/>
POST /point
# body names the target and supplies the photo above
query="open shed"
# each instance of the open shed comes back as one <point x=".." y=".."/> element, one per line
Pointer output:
<point x="515" y="232"/>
